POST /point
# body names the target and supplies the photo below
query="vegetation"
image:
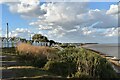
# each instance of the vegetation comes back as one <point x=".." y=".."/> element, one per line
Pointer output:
<point x="69" y="62"/>
<point x="52" y="42"/>
<point x="15" y="70"/>
<point x="81" y="63"/>
<point x="40" y="38"/>
<point x="34" y="55"/>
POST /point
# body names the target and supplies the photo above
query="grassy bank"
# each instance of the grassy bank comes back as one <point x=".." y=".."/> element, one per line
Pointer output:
<point x="69" y="62"/>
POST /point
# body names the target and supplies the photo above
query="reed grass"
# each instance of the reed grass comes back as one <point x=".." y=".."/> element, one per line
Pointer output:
<point x="35" y="54"/>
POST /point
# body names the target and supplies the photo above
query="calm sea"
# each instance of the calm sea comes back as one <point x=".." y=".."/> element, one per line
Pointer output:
<point x="109" y="49"/>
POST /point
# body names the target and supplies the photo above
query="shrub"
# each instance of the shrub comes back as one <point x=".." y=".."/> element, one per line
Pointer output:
<point x="35" y="55"/>
<point x="60" y="68"/>
<point x="82" y="75"/>
<point x="87" y="63"/>
<point x="94" y="65"/>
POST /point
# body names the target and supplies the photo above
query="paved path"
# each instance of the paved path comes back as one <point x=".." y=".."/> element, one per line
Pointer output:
<point x="12" y="69"/>
<point x="7" y="61"/>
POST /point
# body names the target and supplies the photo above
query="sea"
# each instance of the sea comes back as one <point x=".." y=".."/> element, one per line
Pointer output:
<point x="111" y="49"/>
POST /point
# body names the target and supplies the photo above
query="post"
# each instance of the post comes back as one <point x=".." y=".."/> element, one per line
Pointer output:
<point x="7" y="35"/>
<point x="30" y="36"/>
<point x="118" y="30"/>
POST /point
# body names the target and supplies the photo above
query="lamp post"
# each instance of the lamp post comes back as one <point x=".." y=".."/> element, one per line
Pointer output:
<point x="7" y="35"/>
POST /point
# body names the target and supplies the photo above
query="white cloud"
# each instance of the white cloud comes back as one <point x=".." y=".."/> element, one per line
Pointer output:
<point x="6" y="1"/>
<point x="63" y="14"/>
<point x="64" y="18"/>
<point x="113" y="9"/>
<point x="27" y="8"/>
<point x="42" y="27"/>
<point x="69" y="21"/>
<point x="57" y="32"/>
<point x="112" y="32"/>
<point x="20" y="32"/>
<point x="72" y="30"/>
<point x="69" y="15"/>
<point x="87" y="31"/>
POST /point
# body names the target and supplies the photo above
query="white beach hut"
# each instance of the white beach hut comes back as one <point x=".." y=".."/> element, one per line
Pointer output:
<point x="4" y="42"/>
<point x="10" y="43"/>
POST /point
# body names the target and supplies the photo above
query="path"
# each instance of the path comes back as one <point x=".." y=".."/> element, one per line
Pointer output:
<point x="12" y="69"/>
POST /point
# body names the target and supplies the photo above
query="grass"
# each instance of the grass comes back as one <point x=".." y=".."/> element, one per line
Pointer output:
<point x="35" y="55"/>
<point x="25" y="49"/>
<point x="27" y="73"/>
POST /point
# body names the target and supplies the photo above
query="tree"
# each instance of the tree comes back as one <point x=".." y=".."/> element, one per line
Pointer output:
<point x="39" y="38"/>
<point x="51" y="42"/>
<point x="23" y="40"/>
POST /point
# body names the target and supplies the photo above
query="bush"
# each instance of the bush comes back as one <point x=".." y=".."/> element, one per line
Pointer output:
<point x="35" y="55"/>
<point x="61" y="68"/>
<point x="82" y="75"/>
<point x="72" y="62"/>
<point x="94" y="65"/>
<point x="87" y="63"/>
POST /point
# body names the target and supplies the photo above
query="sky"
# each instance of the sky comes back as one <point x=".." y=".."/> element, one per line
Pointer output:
<point x="95" y="22"/>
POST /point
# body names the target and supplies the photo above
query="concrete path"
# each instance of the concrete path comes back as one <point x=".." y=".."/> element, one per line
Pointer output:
<point x="12" y="69"/>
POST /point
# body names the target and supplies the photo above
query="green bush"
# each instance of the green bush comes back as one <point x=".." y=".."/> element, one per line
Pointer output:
<point x="29" y="59"/>
<point x="94" y="65"/>
<point x="61" y="68"/>
<point x="85" y="62"/>
<point x="82" y="75"/>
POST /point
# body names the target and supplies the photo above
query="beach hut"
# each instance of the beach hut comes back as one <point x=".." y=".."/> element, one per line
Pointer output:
<point x="4" y="42"/>
<point x="39" y="43"/>
<point x="34" y="43"/>
<point x="48" y="44"/>
<point x="10" y="43"/>
<point x="0" y="43"/>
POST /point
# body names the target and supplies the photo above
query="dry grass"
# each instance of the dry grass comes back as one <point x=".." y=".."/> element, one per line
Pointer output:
<point x="24" y="48"/>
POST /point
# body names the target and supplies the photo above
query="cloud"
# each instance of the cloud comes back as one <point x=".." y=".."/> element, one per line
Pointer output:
<point x="69" y="15"/>
<point x="26" y="8"/>
<point x="6" y="1"/>
<point x="57" y="32"/>
<point x="70" y="21"/>
<point x="112" y="32"/>
<point x="74" y="20"/>
<point x="63" y="14"/>
<point x="42" y="27"/>
<point x="87" y="31"/>
<point x="20" y="32"/>
<point x="113" y="9"/>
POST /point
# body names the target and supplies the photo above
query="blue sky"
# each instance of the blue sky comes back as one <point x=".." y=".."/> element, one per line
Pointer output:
<point x="13" y="19"/>
<point x="101" y="5"/>
<point x="16" y="21"/>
